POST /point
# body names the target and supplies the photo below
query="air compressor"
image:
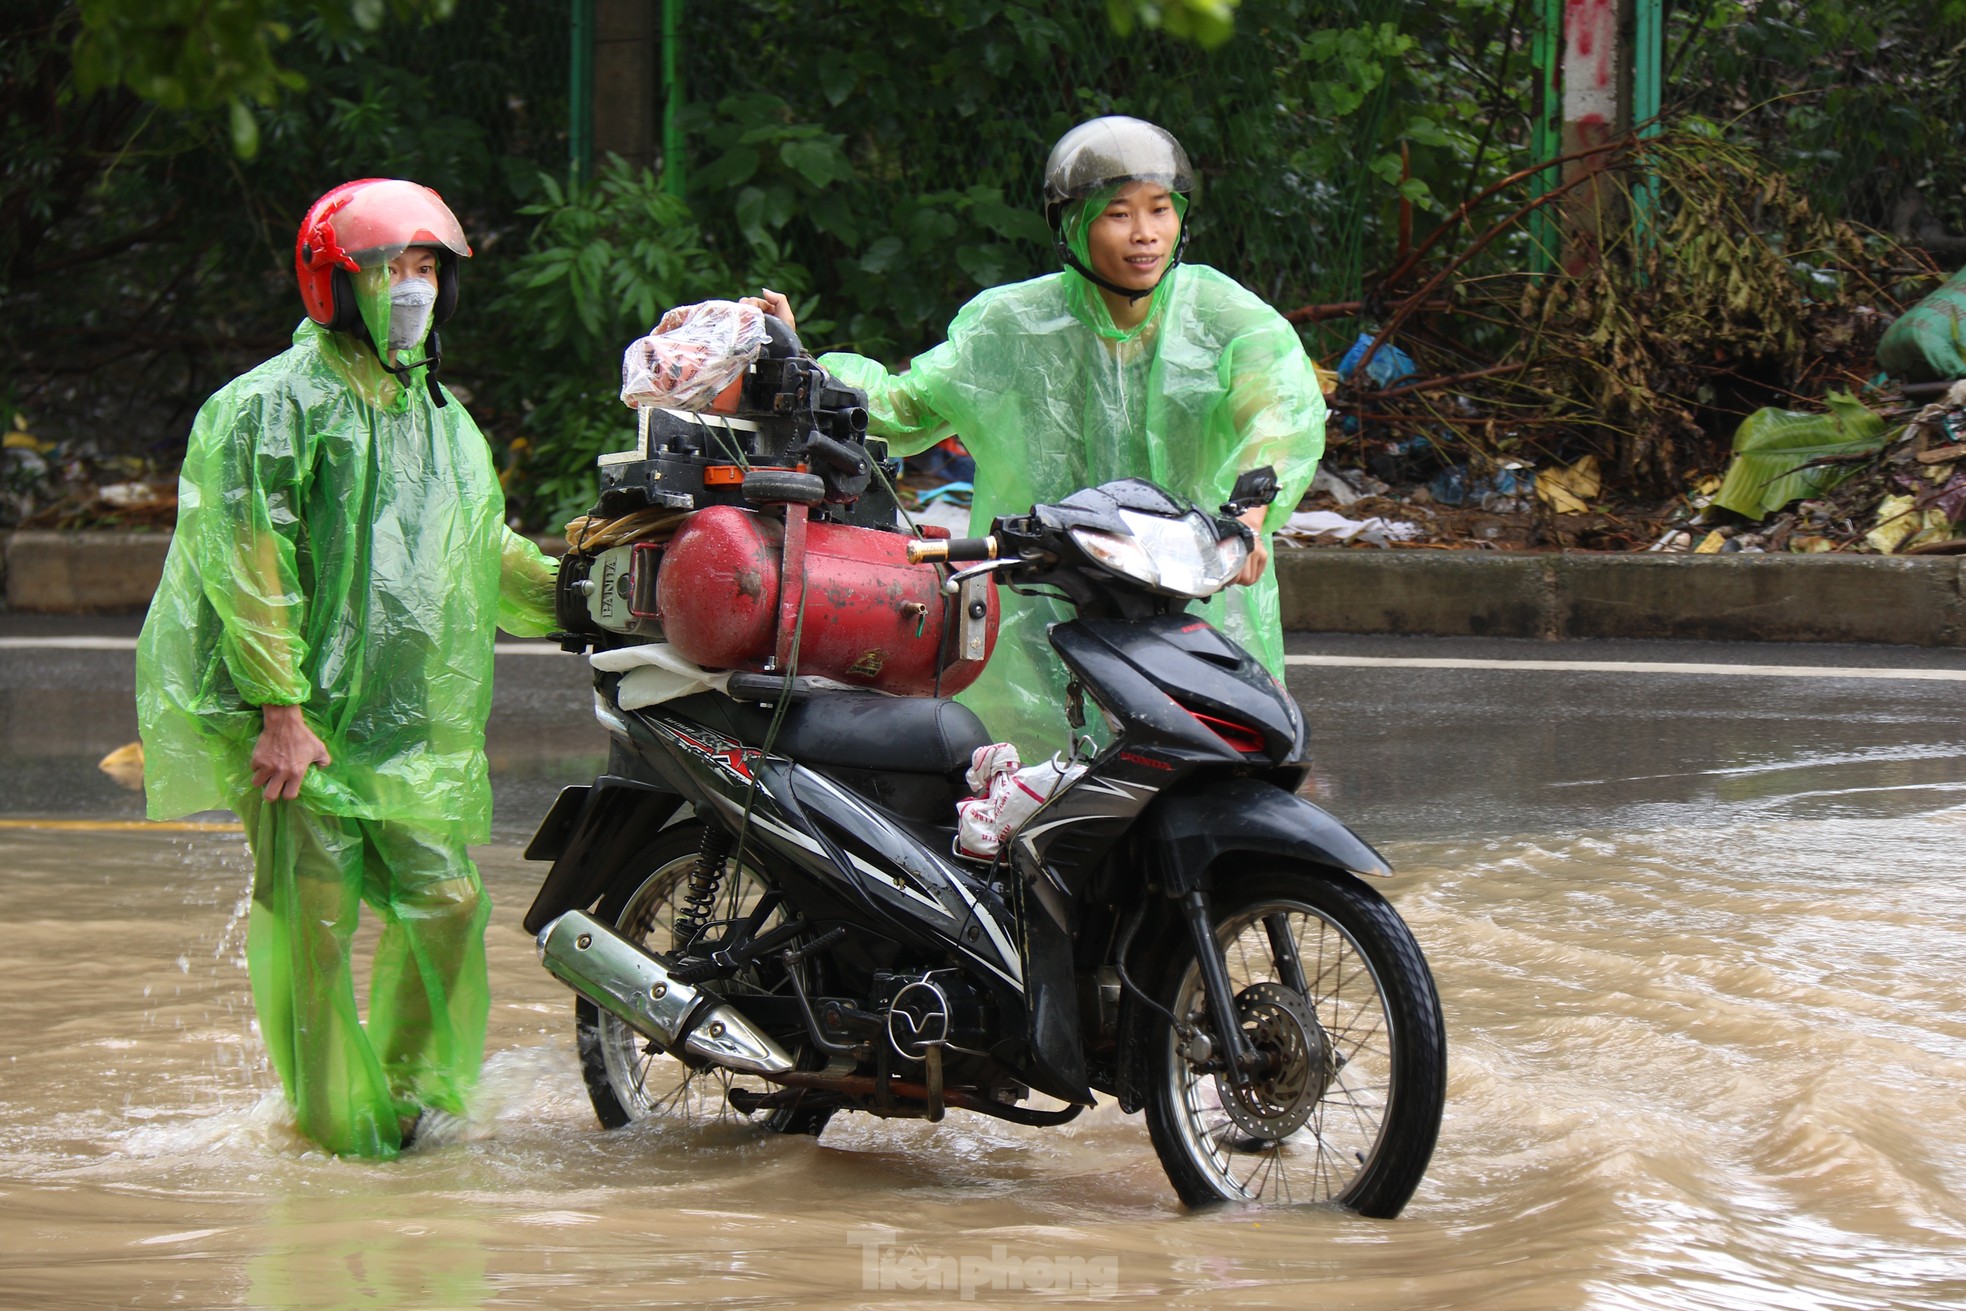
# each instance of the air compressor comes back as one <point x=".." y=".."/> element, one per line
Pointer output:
<point x="763" y="535"/>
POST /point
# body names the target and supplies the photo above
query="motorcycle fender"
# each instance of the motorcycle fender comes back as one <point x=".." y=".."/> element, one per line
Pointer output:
<point x="1057" y="1038"/>
<point x="1188" y="832"/>
<point x="550" y="838"/>
<point x="616" y="818"/>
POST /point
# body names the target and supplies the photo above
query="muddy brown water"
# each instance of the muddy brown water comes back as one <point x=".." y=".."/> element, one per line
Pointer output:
<point x="1703" y="966"/>
<point x="1743" y="1095"/>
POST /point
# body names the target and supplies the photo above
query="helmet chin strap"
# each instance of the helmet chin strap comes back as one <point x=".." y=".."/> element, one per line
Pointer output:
<point x="1132" y="297"/>
<point x="430" y="362"/>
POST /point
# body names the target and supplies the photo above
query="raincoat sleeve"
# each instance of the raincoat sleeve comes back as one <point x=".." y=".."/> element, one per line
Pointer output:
<point x="901" y="407"/>
<point x="525" y="587"/>
<point x="1277" y="410"/>
<point x="245" y="470"/>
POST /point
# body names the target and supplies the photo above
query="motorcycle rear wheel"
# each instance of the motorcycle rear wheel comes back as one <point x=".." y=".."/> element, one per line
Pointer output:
<point x="1349" y="1107"/>
<point x="627" y="1078"/>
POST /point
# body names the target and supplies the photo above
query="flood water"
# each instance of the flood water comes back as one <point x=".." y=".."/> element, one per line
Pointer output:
<point x="1704" y="979"/>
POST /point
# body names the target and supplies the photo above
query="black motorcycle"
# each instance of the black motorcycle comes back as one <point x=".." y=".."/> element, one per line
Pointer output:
<point x="764" y="913"/>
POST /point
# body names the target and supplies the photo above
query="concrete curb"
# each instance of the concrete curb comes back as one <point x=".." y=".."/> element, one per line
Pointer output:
<point x="83" y="573"/>
<point x="1909" y="601"/>
<point x="1918" y="601"/>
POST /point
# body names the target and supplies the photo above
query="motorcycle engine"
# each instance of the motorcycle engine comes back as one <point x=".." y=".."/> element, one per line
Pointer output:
<point x="937" y="1008"/>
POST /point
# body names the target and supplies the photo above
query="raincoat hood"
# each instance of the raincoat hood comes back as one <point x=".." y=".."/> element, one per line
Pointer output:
<point x="356" y="361"/>
<point x="1087" y="305"/>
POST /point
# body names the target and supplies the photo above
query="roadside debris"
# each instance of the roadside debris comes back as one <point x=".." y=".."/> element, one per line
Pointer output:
<point x="1782" y="456"/>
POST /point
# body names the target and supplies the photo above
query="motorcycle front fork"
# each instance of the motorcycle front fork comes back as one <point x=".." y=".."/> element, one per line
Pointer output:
<point x="1240" y="1060"/>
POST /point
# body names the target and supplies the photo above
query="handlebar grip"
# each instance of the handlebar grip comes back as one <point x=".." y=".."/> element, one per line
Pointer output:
<point x="931" y="551"/>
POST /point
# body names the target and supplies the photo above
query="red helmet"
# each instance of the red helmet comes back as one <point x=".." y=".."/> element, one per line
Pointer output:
<point x="366" y="223"/>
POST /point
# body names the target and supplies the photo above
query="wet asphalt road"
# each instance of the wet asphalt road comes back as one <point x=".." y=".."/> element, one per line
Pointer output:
<point x="1415" y="738"/>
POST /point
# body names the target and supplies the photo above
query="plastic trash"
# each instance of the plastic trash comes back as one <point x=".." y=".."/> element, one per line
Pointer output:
<point x="1006" y="796"/>
<point x="693" y="354"/>
<point x="1928" y="342"/>
<point x="953" y="493"/>
<point x="1325" y="523"/>
<point x="945" y="459"/>
<point x="1450" y="486"/>
<point x="1390" y="364"/>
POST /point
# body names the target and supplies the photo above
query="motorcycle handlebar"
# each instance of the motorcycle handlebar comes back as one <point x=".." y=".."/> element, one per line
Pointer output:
<point x="953" y="549"/>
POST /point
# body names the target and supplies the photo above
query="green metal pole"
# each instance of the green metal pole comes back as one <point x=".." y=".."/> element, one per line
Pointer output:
<point x="672" y="98"/>
<point x="1546" y="48"/>
<point x="1648" y="58"/>
<point x="580" y="93"/>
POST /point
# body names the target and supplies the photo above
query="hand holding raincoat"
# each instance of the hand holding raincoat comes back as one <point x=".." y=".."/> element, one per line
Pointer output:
<point x="1051" y="396"/>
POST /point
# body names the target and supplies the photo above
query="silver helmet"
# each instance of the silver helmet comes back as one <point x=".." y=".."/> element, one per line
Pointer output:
<point x="1108" y="151"/>
<point x="1105" y="153"/>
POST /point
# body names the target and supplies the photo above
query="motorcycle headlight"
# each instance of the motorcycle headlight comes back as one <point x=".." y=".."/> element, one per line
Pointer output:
<point x="1181" y="557"/>
<point x="1191" y="560"/>
<point x="1123" y="555"/>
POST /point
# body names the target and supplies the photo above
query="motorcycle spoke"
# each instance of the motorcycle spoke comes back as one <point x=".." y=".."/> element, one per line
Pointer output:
<point x="1304" y="952"/>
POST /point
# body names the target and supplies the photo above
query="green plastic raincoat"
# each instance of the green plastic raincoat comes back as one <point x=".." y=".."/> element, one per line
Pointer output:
<point x="1051" y="396"/>
<point x="341" y="545"/>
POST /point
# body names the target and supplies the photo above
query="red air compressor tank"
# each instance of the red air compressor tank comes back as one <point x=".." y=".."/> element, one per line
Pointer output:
<point x="871" y="618"/>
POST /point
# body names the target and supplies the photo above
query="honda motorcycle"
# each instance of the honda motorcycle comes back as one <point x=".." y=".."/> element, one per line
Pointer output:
<point x="765" y="913"/>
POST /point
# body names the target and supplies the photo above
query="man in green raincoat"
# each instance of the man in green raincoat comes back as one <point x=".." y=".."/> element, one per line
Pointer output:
<point x="318" y="657"/>
<point x="1126" y="364"/>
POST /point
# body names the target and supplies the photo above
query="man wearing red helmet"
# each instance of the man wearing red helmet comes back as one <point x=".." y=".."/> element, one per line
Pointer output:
<point x="318" y="657"/>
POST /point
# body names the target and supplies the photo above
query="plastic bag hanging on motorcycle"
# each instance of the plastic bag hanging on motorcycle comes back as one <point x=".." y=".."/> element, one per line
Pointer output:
<point x="694" y="354"/>
<point x="1005" y="797"/>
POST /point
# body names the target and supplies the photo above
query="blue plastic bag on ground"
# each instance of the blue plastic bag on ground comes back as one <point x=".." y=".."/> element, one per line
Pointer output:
<point x="1390" y="364"/>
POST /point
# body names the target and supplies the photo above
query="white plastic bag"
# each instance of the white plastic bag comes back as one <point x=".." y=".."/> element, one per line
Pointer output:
<point x="1005" y="797"/>
<point x="693" y="354"/>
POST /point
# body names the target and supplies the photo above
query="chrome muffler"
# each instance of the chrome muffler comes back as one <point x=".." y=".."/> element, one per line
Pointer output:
<point x="635" y="987"/>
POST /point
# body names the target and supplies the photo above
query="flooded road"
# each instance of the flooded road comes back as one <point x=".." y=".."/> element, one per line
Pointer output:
<point x="1700" y="938"/>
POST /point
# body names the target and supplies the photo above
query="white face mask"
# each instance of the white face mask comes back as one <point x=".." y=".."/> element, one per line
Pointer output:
<point x="410" y="303"/>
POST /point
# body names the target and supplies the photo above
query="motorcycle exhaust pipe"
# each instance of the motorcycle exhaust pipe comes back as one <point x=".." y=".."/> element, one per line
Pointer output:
<point x="635" y="987"/>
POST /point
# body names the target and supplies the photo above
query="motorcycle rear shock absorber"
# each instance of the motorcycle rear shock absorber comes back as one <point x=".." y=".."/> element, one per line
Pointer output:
<point x="699" y="898"/>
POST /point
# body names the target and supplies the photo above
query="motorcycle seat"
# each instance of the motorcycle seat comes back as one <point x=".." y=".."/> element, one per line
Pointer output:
<point x="865" y="730"/>
<point x="856" y="730"/>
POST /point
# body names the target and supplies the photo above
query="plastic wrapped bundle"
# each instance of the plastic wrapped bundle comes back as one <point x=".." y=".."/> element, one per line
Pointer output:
<point x="693" y="355"/>
<point x="1006" y="796"/>
<point x="1929" y="343"/>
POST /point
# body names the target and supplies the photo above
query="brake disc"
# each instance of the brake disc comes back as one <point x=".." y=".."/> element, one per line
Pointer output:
<point x="1298" y="1063"/>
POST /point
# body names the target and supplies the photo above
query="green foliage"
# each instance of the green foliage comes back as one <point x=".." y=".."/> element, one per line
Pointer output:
<point x="1862" y="101"/>
<point x="879" y="160"/>
<point x="1209" y="22"/>
<point x="195" y="55"/>
<point x="143" y="262"/>
<point x="905" y="164"/>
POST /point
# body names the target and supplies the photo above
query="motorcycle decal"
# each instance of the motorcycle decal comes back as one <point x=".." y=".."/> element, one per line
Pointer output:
<point x="724" y="753"/>
<point x="941" y="885"/>
<point x="1115" y="787"/>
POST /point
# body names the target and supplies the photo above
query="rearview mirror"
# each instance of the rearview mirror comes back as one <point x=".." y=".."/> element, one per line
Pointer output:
<point x="1254" y="488"/>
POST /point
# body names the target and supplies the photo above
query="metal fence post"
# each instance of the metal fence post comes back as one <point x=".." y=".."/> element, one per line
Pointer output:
<point x="672" y="98"/>
<point x="580" y="93"/>
<point x="1547" y="56"/>
<point x="1648" y="72"/>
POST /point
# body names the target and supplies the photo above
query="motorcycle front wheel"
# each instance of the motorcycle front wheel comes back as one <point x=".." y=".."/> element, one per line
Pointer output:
<point x="1334" y="995"/>
<point x="628" y="1078"/>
